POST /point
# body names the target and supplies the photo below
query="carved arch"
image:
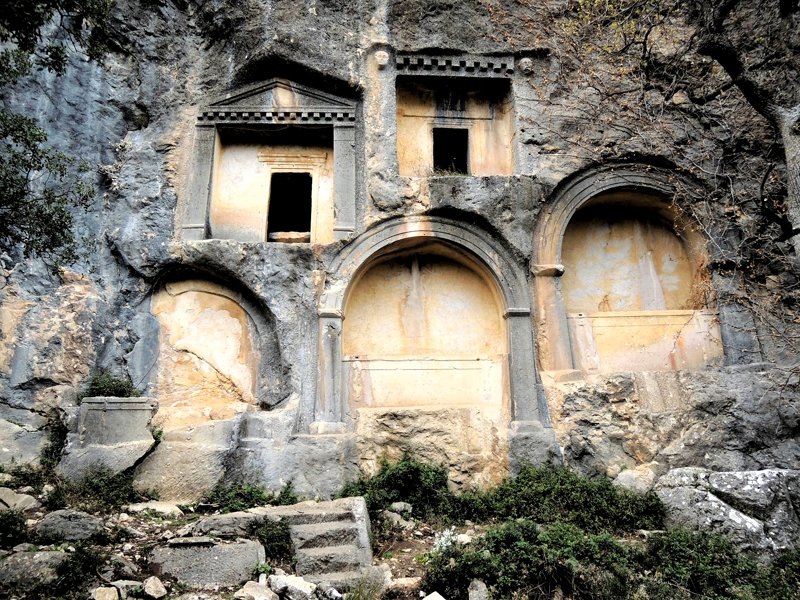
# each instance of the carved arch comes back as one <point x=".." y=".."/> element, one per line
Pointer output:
<point x="407" y="233"/>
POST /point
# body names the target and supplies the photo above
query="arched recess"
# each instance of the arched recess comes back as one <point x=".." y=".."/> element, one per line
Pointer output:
<point x="620" y="277"/>
<point x="216" y="351"/>
<point x="443" y="237"/>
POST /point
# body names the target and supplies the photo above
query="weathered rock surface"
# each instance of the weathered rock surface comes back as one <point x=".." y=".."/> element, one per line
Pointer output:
<point x="256" y="591"/>
<point x="153" y="588"/>
<point x="164" y="508"/>
<point x="105" y="593"/>
<point x="756" y="509"/>
<point x="727" y="419"/>
<point x="67" y="526"/>
<point x="25" y="571"/>
<point x="201" y="561"/>
<point x="478" y="591"/>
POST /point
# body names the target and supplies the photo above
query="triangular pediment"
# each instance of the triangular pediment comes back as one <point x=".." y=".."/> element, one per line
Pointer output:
<point x="280" y="95"/>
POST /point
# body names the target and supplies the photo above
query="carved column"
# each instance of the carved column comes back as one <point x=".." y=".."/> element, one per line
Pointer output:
<point x="195" y="220"/>
<point x="328" y="411"/>
<point x="344" y="158"/>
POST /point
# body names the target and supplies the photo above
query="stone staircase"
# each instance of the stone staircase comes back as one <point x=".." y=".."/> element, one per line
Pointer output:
<point x="331" y="539"/>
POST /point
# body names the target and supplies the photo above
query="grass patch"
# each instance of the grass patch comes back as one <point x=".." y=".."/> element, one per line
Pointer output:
<point x="234" y="497"/>
<point x="522" y="559"/>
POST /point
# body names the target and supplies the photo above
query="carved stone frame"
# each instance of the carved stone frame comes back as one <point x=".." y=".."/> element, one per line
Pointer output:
<point x="238" y="107"/>
<point x="527" y="402"/>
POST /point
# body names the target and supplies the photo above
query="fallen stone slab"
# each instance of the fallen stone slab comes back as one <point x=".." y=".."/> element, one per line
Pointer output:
<point x="11" y="500"/>
<point x="67" y="526"/>
<point x="200" y="562"/>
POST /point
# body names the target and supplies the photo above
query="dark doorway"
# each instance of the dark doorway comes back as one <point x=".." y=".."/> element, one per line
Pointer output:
<point x="289" y="203"/>
<point x="450" y="150"/>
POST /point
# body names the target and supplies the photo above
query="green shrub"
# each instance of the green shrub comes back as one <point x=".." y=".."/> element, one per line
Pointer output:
<point x="550" y="495"/>
<point x="241" y="496"/>
<point x="77" y="574"/>
<point x="277" y="542"/>
<point x="13" y="530"/>
<point x="521" y="558"/>
<point x="781" y="579"/>
<point x="695" y="563"/>
<point x="98" y="490"/>
<point x="409" y="480"/>
<point x="103" y="383"/>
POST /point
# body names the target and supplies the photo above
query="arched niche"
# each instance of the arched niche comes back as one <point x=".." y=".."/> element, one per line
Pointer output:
<point x="217" y="353"/>
<point x="621" y="279"/>
<point x="425" y="327"/>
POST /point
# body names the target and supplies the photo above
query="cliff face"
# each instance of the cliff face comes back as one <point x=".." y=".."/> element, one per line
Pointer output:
<point x="464" y="161"/>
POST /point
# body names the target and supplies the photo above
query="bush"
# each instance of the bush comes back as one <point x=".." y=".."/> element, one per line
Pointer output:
<point x="551" y="495"/>
<point x="98" y="490"/>
<point x="697" y="564"/>
<point x="541" y="494"/>
<point x="523" y="559"/>
<point x="781" y="579"/>
<point x="409" y="480"/>
<point x="240" y="496"/>
<point x="277" y="542"/>
<point x="103" y="383"/>
<point x="13" y="530"/>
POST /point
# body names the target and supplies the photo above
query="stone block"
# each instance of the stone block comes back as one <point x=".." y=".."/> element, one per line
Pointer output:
<point x="208" y="562"/>
<point x="112" y="432"/>
<point x="10" y="500"/>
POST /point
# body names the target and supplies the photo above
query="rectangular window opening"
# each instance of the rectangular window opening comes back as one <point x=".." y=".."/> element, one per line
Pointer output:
<point x="289" y="217"/>
<point x="450" y="151"/>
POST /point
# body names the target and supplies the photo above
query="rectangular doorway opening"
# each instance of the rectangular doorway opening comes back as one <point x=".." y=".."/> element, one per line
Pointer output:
<point x="289" y="217"/>
<point x="450" y="151"/>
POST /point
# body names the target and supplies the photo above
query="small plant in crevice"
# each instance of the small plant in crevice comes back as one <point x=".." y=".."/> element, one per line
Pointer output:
<point x="370" y="586"/>
<point x="103" y="383"/>
<point x="238" y="496"/>
<point x="277" y="541"/>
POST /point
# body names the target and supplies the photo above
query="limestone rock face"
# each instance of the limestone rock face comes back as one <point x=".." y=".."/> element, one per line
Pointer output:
<point x="754" y="508"/>
<point x="735" y="418"/>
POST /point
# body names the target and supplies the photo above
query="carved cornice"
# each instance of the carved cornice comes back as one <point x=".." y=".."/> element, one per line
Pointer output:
<point x="465" y="64"/>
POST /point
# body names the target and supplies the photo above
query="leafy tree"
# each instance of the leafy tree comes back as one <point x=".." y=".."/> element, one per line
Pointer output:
<point x="38" y="186"/>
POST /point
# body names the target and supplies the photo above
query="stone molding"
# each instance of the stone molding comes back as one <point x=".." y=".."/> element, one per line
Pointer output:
<point x="464" y="64"/>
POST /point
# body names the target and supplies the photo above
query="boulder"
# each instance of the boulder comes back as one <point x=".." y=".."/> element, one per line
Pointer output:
<point x="153" y="588"/>
<point x="67" y="526"/>
<point x="167" y="509"/>
<point x="753" y="508"/>
<point x="477" y="590"/>
<point x="26" y="571"/>
<point x="105" y="593"/>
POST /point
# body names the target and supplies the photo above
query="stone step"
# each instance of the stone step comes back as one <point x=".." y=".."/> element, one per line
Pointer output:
<point x="305" y="517"/>
<point x="329" y="559"/>
<point x="341" y="581"/>
<point x="319" y="535"/>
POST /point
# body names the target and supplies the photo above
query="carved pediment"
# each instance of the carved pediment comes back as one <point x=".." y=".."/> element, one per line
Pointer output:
<point x="277" y="100"/>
